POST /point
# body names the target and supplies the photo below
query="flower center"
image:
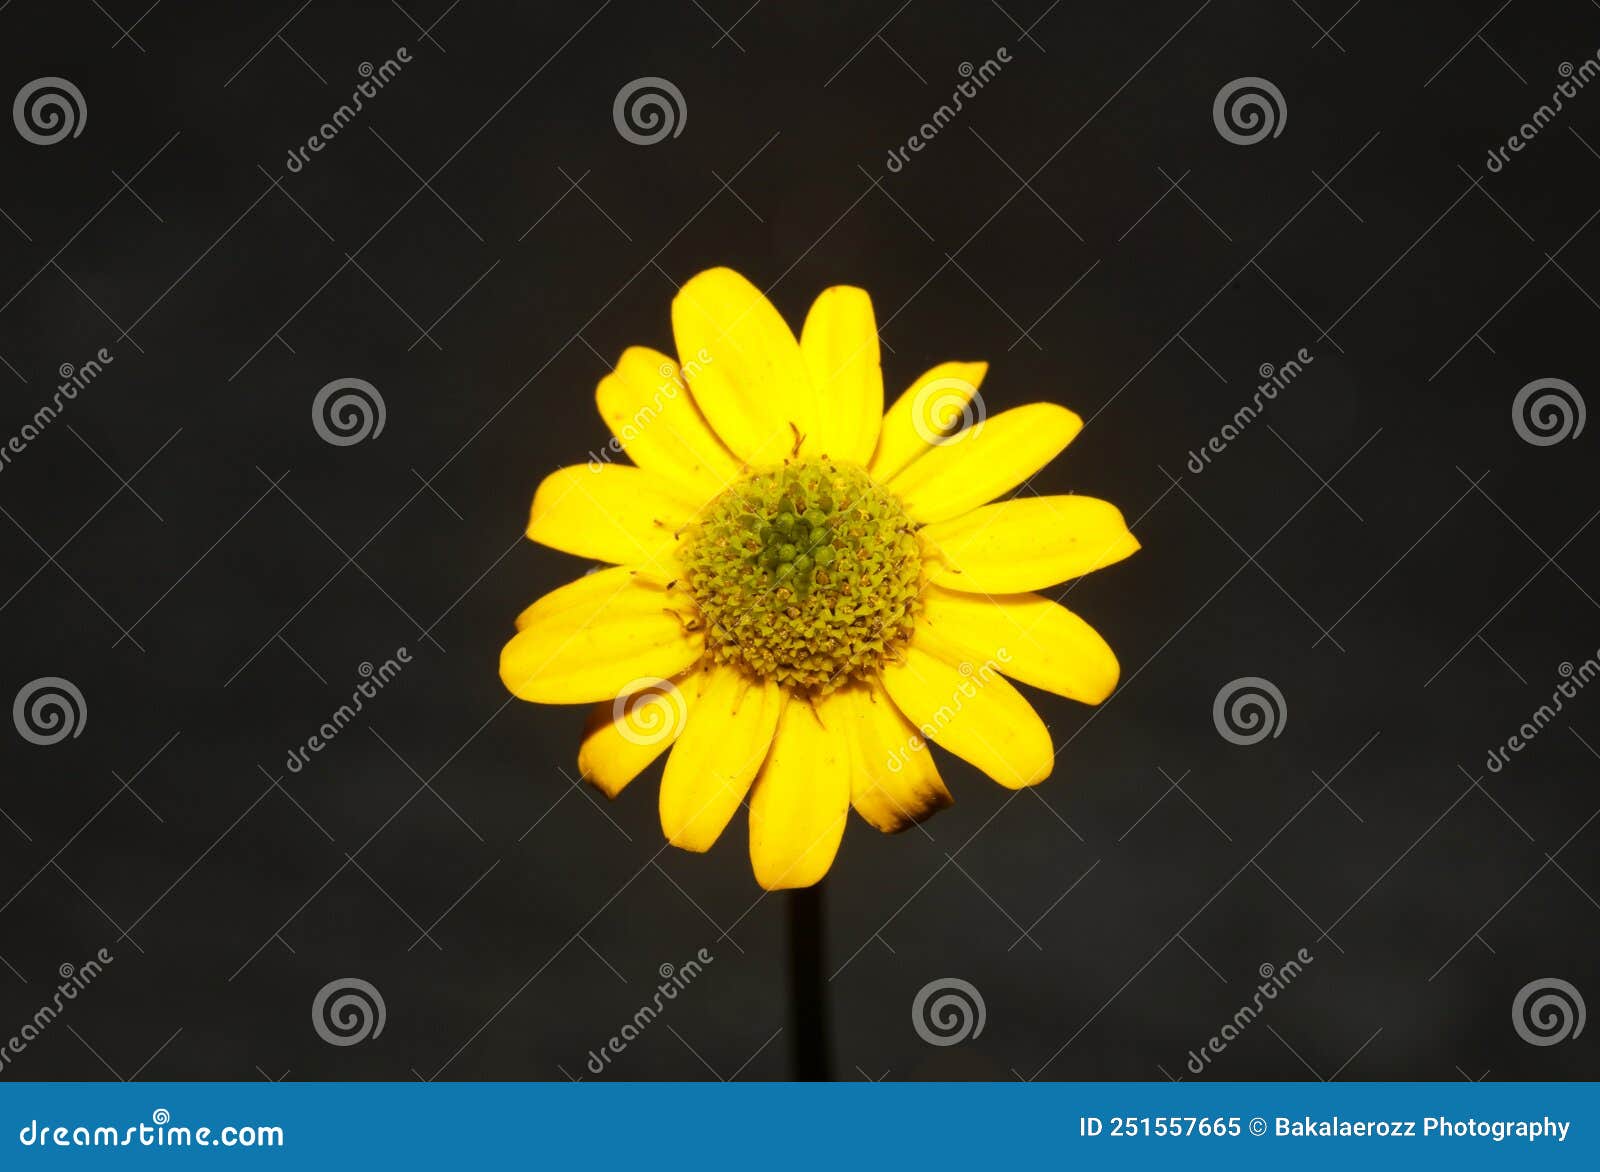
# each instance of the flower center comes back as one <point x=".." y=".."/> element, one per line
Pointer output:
<point x="809" y="574"/>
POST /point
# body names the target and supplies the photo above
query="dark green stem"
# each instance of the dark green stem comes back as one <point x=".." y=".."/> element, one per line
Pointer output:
<point x="808" y="985"/>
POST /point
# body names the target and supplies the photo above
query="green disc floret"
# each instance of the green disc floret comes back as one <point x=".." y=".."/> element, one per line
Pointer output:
<point x="809" y="574"/>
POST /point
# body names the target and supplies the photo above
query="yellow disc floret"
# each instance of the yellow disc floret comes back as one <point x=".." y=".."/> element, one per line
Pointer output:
<point x="809" y="574"/>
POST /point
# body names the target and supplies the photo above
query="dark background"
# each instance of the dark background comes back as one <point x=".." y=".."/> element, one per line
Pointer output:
<point x="1381" y="544"/>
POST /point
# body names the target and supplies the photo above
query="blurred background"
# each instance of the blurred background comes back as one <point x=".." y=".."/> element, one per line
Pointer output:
<point x="485" y="235"/>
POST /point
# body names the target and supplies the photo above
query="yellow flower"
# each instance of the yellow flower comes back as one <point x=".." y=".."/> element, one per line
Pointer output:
<point x="805" y="589"/>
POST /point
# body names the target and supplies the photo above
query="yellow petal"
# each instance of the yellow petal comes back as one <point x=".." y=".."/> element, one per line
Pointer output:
<point x="797" y="812"/>
<point x="743" y="365"/>
<point x="609" y="512"/>
<point x="921" y="416"/>
<point x="1025" y="544"/>
<point x="973" y="712"/>
<point x="717" y="757"/>
<point x="839" y="343"/>
<point x="586" y="594"/>
<point x="593" y="638"/>
<point x="624" y="735"/>
<point x="1030" y="638"/>
<point x="976" y="465"/>
<point x="649" y="410"/>
<point x="893" y="780"/>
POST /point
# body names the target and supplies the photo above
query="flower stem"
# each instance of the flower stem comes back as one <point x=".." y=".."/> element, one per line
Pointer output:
<point x="808" y="999"/>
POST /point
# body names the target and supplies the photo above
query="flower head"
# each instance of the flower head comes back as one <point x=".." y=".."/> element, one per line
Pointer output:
<point x="805" y="590"/>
